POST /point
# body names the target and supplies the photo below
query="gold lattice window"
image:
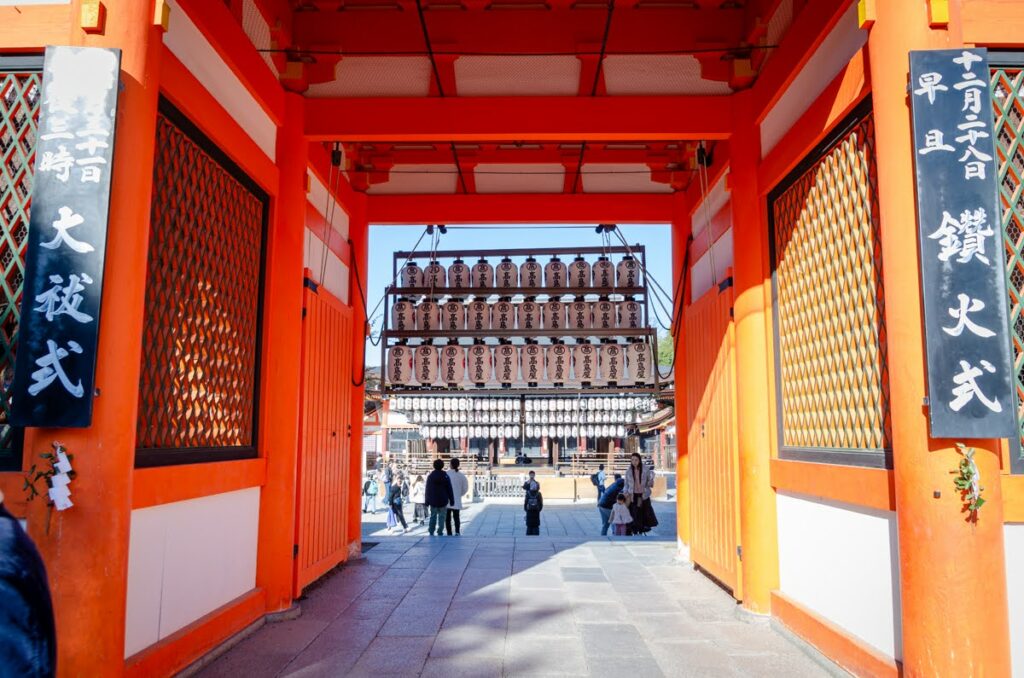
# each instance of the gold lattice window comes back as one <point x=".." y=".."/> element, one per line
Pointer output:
<point x="20" y="82"/>
<point x="832" y="375"/>
<point x="198" y="390"/>
<point x="1008" y="111"/>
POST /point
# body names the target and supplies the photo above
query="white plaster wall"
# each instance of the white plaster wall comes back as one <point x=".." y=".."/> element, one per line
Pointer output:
<point x="717" y="198"/>
<point x="335" y="272"/>
<point x="712" y="266"/>
<point x="186" y="559"/>
<point x="184" y="39"/>
<point x="318" y="198"/>
<point x="841" y="561"/>
<point x="1014" y="535"/>
<point x="831" y="57"/>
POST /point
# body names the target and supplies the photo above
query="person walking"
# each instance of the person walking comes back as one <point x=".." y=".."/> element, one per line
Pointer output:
<point x="620" y="515"/>
<point x="439" y="497"/>
<point x="418" y="494"/>
<point x="395" y="502"/>
<point x="607" y="502"/>
<point x="370" y="494"/>
<point x="637" y="488"/>
<point x="533" y="505"/>
<point x="28" y="645"/>
<point x="460" y="488"/>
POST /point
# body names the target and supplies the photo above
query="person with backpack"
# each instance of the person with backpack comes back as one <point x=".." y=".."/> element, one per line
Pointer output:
<point x="395" y="500"/>
<point x="439" y="496"/>
<point x="533" y="505"/>
<point x="597" y="479"/>
<point x="370" y="494"/>
<point x="607" y="502"/>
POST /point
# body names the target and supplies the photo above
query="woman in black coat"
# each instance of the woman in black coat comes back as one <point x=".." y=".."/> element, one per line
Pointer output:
<point x="533" y="505"/>
<point x="395" y="502"/>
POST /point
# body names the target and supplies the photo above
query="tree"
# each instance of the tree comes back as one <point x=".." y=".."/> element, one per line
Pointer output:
<point x="666" y="348"/>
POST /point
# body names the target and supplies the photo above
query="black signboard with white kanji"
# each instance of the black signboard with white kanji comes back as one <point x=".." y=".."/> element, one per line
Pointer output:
<point x="60" y="314"/>
<point x="970" y="370"/>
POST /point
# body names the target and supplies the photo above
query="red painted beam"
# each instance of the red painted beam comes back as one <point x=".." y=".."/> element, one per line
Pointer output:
<point x="513" y="209"/>
<point x="395" y="29"/>
<point x="595" y="119"/>
<point x="550" y="153"/>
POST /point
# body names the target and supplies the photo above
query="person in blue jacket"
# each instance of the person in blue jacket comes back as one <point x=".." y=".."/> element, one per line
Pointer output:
<point x="607" y="501"/>
<point x="28" y="647"/>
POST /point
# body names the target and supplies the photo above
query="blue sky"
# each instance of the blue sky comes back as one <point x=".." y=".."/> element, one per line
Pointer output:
<point x="385" y="240"/>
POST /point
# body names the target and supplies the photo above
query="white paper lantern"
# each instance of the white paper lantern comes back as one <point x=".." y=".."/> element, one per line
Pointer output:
<point x="458" y="274"/>
<point x="620" y="431"/>
<point x="589" y="431"/>
<point x="446" y="432"/>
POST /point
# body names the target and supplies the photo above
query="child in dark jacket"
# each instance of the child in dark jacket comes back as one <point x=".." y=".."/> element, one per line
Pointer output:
<point x="533" y="505"/>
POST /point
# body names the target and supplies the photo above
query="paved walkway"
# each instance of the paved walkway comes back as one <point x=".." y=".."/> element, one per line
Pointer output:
<point x="516" y="606"/>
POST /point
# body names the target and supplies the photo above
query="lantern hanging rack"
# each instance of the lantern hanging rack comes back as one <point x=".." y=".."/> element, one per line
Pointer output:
<point x="521" y="252"/>
<point x="637" y="331"/>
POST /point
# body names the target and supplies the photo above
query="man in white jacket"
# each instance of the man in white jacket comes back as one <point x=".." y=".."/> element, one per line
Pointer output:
<point x="460" y="488"/>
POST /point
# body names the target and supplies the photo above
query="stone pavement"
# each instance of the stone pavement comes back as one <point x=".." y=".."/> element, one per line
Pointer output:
<point x="516" y="606"/>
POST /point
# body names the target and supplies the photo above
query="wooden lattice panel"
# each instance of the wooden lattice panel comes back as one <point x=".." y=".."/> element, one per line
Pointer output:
<point x="830" y="322"/>
<point x="19" y="118"/>
<point x="1008" y="102"/>
<point x="202" y="301"/>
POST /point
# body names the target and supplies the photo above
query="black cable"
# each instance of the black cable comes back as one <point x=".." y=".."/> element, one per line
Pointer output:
<point x="679" y="309"/>
<point x="430" y="48"/>
<point x="366" y="314"/>
<point x="604" y="48"/>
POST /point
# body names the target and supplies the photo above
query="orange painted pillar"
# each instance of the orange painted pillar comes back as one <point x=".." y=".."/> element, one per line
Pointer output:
<point x="86" y="547"/>
<point x="952" y="572"/>
<point x="280" y="371"/>
<point x="758" y="527"/>
<point x="680" y="236"/>
<point x="359" y="238"/>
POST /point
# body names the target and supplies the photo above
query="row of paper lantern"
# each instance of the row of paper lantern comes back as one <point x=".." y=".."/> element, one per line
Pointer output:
<point x="406" y="403"/>
<point x="467" y="417"/>
<point x="584" y="363"/>
<point x="587" y="417"/>
<point x="591" y="403"/>
<point x="508" y="275"/>
<point x="455" y="315"/>
<point x="463" y="404"/>
<point x="501" y="417"/>
<point x="556" y="431"/>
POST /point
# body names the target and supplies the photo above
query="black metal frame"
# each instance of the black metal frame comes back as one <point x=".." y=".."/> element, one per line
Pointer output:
<point x="1003" y="59"/>
<point x="150" y="457"/>
<point x="881" y="458"/>
<point x="550" y="292"/>
<point x="20" y="63"/>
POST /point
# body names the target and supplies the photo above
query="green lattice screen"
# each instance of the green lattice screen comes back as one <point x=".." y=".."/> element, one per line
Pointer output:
<point x="19" y="117"/>
<point x="1008" y="101"/>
